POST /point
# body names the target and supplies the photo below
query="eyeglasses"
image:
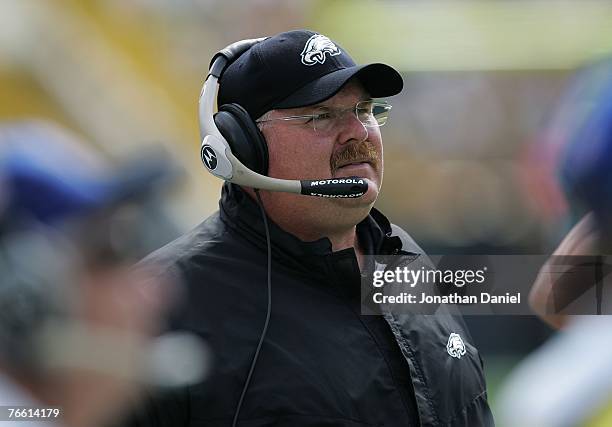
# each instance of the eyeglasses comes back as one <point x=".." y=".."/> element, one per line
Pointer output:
<point x="324" y="119"/>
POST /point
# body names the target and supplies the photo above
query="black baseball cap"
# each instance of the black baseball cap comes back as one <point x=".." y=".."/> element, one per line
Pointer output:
<point x="298" y="68"/>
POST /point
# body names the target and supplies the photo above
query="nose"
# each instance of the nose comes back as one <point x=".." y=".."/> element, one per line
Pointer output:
<point x="351" y="129"/>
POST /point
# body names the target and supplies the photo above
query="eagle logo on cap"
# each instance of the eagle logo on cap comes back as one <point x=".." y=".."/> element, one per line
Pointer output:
<point x="316" y="49"/>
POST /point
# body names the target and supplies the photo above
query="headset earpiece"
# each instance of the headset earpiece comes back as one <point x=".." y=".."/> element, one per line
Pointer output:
<point x="243" y="136"/>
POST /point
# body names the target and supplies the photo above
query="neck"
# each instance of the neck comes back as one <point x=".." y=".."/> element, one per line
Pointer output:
<point x="348" y="241"/>
<point x="340" y="239"/>
<point x="293" y="219"/>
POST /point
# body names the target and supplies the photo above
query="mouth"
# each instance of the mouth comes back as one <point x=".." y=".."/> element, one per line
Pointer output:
<point x="357" y="168"/>
<point x="354" y="164"/>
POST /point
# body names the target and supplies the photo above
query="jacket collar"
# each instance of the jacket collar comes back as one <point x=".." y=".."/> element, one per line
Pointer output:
<point x="240" y="212"/>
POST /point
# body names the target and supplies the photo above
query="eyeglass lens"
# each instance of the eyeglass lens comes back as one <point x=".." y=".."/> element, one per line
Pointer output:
<point x="371" y="114"/>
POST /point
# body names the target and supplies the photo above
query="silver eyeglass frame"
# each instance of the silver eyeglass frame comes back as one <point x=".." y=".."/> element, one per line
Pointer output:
<point x="337" y="113"/>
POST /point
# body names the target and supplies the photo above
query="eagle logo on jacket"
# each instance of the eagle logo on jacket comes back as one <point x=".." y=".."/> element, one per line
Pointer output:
<point x="455" y="346"/>
<point x="317" y="48"/>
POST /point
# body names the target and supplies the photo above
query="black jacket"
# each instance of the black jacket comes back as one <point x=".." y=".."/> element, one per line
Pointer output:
<point x="322" y="362"/>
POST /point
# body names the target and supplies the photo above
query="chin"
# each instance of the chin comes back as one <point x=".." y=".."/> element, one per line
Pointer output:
<point x="366" y="201"/>
<point x="365" y="171"/>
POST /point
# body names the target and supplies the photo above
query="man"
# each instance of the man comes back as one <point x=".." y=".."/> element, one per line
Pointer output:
<point x="75" y="330"/>
<point x="321" y="362"/>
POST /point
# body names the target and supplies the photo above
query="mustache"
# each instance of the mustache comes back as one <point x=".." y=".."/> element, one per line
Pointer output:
<point x="363" y="151"/>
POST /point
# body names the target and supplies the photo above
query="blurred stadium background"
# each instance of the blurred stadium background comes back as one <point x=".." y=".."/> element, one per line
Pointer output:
<point x="481" y="80"/>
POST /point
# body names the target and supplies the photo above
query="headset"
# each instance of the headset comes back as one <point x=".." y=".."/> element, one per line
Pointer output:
<point x="234" y="149"/>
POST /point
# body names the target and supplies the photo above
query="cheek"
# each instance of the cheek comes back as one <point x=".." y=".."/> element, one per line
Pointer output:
<point x="375" y="137"/>
<point x="297" y="156"/>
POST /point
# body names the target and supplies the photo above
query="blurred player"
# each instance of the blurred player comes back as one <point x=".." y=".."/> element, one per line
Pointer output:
<point x="567" y="382"/>
<point x="76" y="322"/>
<point x="582" y="134"/>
